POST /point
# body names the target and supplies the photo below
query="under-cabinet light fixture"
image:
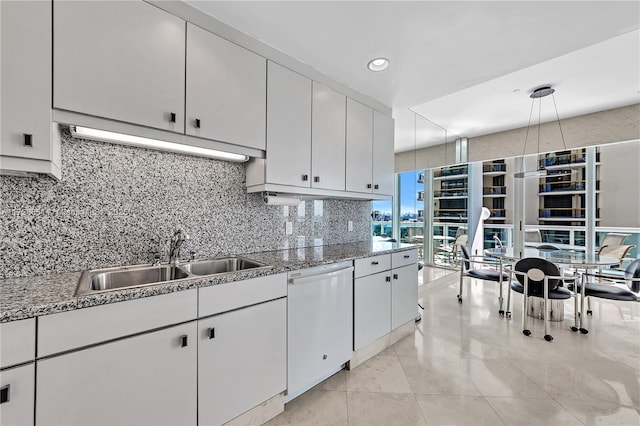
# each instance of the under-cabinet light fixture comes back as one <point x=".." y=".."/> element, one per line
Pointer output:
<point x="121" y="138"/>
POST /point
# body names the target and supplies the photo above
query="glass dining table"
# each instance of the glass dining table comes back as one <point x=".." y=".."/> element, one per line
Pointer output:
<point x="579" y="260"/>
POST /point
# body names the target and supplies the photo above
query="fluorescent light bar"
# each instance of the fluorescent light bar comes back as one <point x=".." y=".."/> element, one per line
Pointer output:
<point x="121" y="138"/>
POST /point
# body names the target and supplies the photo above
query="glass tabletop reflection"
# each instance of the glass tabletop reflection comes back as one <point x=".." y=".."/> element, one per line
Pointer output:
<point x="561" y="257"/>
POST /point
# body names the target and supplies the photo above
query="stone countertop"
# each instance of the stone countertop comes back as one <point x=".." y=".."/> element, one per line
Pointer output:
<point x="28" y="297"/>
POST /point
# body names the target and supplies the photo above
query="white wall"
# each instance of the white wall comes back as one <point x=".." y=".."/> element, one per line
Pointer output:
<point x="620" y="184"/>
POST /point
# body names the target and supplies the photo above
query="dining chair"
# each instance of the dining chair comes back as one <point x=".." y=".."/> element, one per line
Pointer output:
<point x="487" y="274"/>
<point x="612" y="287"/>
<point x="539" y="278"/>
<point x="451" y="250"/>
<point x="614" y="238"/>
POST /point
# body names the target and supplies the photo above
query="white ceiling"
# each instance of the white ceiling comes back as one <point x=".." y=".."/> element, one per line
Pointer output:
<point x="457" y="63"/>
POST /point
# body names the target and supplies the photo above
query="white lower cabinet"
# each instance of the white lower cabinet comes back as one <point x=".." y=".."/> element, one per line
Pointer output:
<point x="17" y="395"/>
<point x="404" y="295"/>
<point x="371" y="308"/>
<point x="148" y="379"/>
<point x="241" y="360"/>
<point x="385" y="295"/>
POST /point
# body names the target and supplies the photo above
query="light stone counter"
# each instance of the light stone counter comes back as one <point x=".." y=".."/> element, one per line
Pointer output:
<point x="28" y="297"/>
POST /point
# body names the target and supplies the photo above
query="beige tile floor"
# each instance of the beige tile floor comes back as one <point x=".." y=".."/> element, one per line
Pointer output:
<point x="466" y="365"/>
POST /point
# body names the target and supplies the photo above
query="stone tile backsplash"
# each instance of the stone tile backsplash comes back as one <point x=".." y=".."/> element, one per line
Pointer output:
<point x="116" y="205"/>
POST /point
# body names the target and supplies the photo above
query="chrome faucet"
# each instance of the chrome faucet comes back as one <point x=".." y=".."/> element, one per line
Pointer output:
<point x="179" y="237"/>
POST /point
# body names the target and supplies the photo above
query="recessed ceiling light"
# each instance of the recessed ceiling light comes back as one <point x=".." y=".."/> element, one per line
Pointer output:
<point x="378" y="64"/>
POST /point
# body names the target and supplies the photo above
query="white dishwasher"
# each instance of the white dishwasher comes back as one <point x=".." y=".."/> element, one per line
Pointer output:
<point x="320" y="324"/>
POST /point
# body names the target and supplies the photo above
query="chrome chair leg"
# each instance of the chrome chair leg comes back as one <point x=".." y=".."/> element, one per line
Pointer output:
<point x="575" y="327"/>
<point x="461" y="277"/>
<point x="500" y="298"/>
<point x="525" y="312"/>
<point x="547" y="336"/>
<point x="508" y="312"/>
<point x="582" y="296"/>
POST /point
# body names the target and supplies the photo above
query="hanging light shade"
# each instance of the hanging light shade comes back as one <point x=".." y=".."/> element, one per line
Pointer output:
<point x="541" y="171"/>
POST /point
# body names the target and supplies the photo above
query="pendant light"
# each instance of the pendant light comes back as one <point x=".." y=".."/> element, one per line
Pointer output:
<point x="541" y="171"/>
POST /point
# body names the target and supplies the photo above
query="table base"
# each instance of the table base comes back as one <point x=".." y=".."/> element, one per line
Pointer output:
<point x="536" y="309"/>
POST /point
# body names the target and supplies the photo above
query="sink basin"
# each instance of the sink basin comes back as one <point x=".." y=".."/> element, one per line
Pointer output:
<point x="100" y="280"/>
<point x="119" y="278"/>
<point x="220" y="266"/>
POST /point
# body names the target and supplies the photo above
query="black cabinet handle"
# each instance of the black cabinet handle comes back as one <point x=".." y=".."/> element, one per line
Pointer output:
<point x="211" y="332"/>
<point x="376" y="186"/>
<point x="375" y="262"/>
<point x="184" y="341"/>
<point x="406" y="256"/>
<point x="368" y="186"/>
<point x="197" y="123"/>
<point x="387" y="279"/>
<point x="28" y="139"/>
<point x="395" y="276"/>
<point x="305" y="177"/>
<point x="4" y="394"/>
<point x="172" y="117"/>
<point x="316" y="179"/>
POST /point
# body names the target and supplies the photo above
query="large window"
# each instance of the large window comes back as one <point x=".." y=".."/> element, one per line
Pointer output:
<point x="555" y="202"/>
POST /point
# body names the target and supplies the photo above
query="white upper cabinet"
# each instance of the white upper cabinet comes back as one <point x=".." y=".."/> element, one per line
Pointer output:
<point x="226" y="90"/>
<point x="26" y="143"/>
<point x="383" y="156"/>
<point x="288" y="127"/>
<point x="359" y="177"/>
<point x="328" y="138"/>
<point x="122" y="60"/>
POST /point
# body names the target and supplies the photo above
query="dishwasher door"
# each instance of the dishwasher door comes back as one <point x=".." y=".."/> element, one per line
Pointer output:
<point x="320" y="324"/>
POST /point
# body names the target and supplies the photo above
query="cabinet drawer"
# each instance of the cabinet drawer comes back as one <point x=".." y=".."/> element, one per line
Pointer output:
<point x="404" y="258"/>
<point x="372" y="265"/>
<point x="18" y="386"/>
<point x="225" y="297"/>
<point x="82" y="327"/>
<point x="18" y="342"/>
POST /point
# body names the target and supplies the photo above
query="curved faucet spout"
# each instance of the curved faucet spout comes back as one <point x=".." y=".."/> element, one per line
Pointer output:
<point x="179" y="237"/>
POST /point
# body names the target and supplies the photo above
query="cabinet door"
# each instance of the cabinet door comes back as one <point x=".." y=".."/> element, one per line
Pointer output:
<point x="288" y="127"/>
<point x="146" y="379"/>
<point x="226" y="90"/>
<point x="26" y="79"/>
<point x="328" y="138"/>
<point x="383" y="157"/>
<point x="241" y="360"/>
<point x="372" y="308"/>
<point x="122" y="60"/>
<point x="16" y="406"/>
<point x="359" y="144"/>
<point x="404" y="295"/>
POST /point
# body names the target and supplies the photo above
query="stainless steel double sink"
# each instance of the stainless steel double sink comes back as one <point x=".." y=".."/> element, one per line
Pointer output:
<point x="108" y="279"/>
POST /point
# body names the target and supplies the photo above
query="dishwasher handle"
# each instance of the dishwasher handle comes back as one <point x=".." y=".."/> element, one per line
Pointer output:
<point x="311" y="278"/>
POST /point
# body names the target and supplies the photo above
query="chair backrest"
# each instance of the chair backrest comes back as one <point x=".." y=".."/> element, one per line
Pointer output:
<point x="536" y="270"/>
<point x="633" y="272"/>
<point x="533" y="236"/>
<point x="462" y="230"/>
<point x="613" y="238"/>
<point x="466" y="256"/>
<point x="617" y="251"/>
<point x="547" y="247"/>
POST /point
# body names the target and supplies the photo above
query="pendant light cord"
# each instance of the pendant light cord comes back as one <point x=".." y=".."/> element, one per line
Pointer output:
<point x="558" y="120"/>
<point x="526" y="136"/>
